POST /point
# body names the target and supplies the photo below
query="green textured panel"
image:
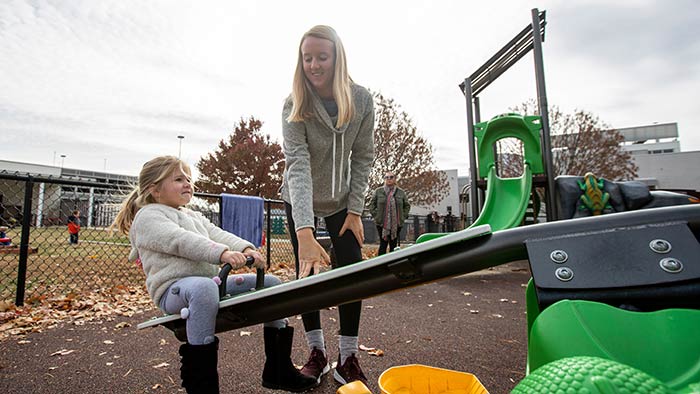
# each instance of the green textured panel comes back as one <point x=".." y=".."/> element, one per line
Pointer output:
<point x="664" y="344"/>
<point x="589" y="375"/>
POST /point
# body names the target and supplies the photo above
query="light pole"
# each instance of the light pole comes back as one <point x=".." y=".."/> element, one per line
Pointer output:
<point x="63" y="158"/>
<point x="179" y="152"/>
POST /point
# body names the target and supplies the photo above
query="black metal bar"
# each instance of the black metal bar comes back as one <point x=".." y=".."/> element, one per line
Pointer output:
<point x="506" y="57"/>
<point x="24" y="241"/>
<point x="501" y="247"/>
<point x="479" y="192"/>
<point x="544" y="114"/>
<point x="474" y="174"/>
<point x="268" y="233"/>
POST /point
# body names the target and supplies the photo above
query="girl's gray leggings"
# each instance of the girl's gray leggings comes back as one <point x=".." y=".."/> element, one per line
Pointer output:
<point x="200" y="296"/>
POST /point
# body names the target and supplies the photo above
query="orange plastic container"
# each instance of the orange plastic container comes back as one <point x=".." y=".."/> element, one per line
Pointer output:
<point x="421" y="379"/>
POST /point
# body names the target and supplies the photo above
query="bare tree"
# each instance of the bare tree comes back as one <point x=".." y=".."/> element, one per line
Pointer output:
<point x="248" y="162"/>
<point x="582" y="143"/>
<point x="399" y="148"/>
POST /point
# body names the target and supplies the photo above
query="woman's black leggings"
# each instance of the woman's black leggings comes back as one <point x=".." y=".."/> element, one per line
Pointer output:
<point x="347" y="251"/>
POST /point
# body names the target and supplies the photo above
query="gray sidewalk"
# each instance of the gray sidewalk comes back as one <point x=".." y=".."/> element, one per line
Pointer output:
<point x="474" y="323"/>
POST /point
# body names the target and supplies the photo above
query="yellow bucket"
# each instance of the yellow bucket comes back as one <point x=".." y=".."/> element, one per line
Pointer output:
<point x="421" y="379"/>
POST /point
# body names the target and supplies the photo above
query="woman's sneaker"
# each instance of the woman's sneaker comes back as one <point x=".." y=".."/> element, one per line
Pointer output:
<point x="350" y="371"/>
<point x="317" y="365"/>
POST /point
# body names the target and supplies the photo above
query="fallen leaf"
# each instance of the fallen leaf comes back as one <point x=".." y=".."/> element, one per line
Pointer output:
<point x="376" y="352"/>
<point x="62" y="352"/>
<point x="161" y="365"/>
<point x="163" y="342"/>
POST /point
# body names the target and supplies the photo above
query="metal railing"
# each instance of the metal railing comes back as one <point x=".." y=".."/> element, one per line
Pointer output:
<point x="41" y="262"/>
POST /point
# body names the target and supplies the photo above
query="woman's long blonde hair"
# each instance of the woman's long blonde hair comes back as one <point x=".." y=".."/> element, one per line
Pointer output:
<point x="152" y="173"/>
<point x="302" y="106"/>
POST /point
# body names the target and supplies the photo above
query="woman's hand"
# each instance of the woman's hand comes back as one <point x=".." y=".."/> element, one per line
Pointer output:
<point x="236" y="259"/>
<point x="353" y="222"/>
<point x="259" y="260"/>
<point x="311" y="253"/>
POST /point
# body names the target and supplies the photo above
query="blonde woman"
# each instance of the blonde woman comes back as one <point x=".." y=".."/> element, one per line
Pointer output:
<point x="180" y="252"/>
<point x="328" y="129"/>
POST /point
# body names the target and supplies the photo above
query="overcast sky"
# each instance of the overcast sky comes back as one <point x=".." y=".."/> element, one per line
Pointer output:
<point x="112" y="83"/>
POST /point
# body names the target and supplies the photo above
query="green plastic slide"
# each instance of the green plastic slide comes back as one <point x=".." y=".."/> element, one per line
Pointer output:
<point x="506" y="200"/>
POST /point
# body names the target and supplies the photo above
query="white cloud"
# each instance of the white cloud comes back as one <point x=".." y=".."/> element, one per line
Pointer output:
<point x="119" y="80"/>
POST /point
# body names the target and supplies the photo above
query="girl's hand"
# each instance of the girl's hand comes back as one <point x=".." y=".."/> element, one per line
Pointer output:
<point x="353" y="222"/>
<point x="236" y="259"/>
<point x="259" y="260"/>
<point x="311" y="254"/>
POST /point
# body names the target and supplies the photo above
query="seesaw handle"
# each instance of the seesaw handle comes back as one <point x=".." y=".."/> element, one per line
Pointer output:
<point x="223" y="275"/>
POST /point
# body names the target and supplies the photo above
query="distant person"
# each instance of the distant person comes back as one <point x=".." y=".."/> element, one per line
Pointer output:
<point x="74" y="227"/>
<point x="327" y="117"/>
<point x="180" y="252"/>
<point x="389" y="207"/>
<point x="4" y="239"/>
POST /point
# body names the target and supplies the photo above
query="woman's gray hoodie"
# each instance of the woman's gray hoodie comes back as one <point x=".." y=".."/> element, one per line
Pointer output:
<point x="327" y="167"/>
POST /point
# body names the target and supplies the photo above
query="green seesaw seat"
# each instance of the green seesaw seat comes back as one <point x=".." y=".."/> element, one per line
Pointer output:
<point x="663" y="344"/>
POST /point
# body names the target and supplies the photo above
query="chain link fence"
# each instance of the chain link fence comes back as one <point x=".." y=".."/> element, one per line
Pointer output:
<point x="39" y="260"/>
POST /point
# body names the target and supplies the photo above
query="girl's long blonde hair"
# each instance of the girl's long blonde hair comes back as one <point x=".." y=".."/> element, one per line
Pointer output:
<point x="152" y="173"/>
<point x="302" y="106"/>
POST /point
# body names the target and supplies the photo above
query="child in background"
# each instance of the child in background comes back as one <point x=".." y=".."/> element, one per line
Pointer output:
<point x="74" y="227"/>
<point x="4" y="240"/>
<point x="180" y="252"/>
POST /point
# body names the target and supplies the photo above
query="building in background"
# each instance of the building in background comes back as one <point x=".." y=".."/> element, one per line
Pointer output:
<point x="657" y="152"/>
<point x="53" y="201"/>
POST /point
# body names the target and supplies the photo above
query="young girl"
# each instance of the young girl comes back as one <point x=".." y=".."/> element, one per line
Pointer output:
<point x="328" y="130"/>
<point x="180" y="251"/>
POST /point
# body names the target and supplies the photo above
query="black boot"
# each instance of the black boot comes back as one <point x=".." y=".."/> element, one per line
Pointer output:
<point x="279" y="372"/>
<point x="198" y="369"/>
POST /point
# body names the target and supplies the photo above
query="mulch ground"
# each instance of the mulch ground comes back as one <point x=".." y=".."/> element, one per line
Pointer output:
<point x="474" y="323"/>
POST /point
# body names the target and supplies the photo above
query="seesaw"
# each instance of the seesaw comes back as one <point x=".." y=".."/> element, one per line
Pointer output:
<point x="618" y="291"/>
<point x="477" y="248"/>
<point x="397" y="263"/>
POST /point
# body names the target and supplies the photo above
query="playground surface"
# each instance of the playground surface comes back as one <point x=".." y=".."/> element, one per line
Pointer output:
<point x="474" y="323"/>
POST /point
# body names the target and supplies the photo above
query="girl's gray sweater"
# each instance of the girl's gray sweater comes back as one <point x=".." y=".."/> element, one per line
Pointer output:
<point x="176" y="243"/>
<point x="327" y="167"/>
